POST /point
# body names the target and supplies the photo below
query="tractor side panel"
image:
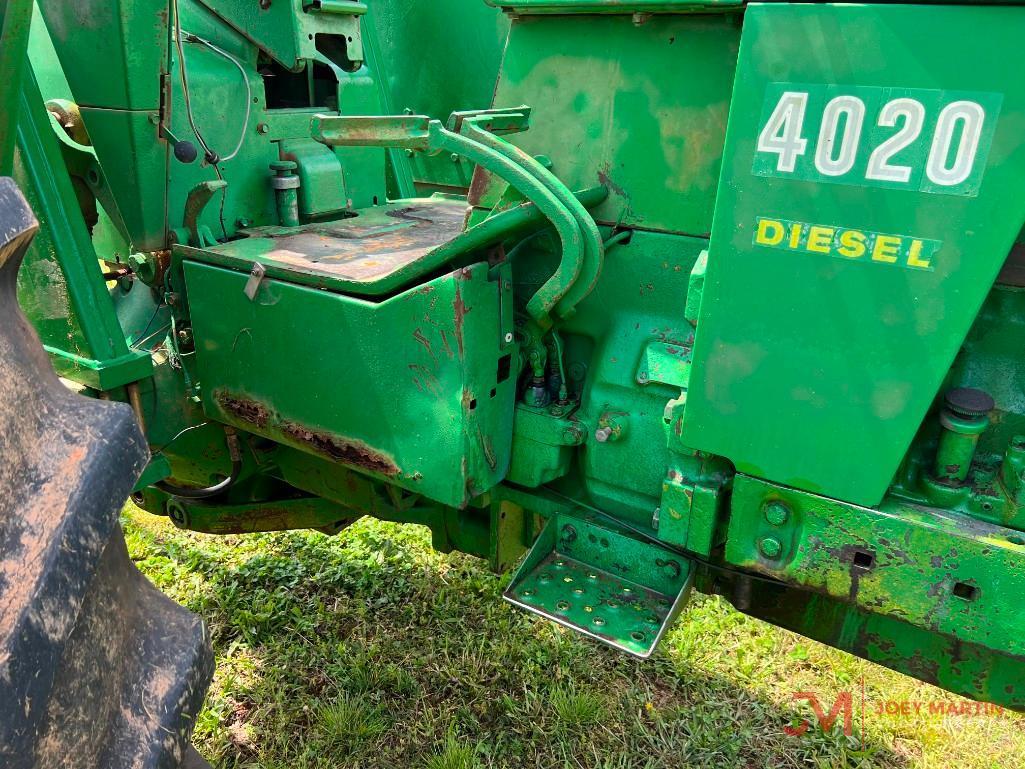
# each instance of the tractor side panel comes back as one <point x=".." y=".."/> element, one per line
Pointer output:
<point x="870" y="193"/>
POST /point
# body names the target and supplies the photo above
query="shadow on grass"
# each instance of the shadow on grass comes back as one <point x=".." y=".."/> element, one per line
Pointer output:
<point x="370" y="650"/>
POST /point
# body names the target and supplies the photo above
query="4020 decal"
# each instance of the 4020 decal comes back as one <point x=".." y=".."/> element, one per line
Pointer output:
<point x="923" y="140"/>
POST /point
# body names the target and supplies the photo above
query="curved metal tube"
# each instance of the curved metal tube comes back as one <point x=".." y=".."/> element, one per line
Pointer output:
<point x="206" y="492"/>
<point x="594" y="251"/>
<point x="574" y="249"/>
<point x="421" y="133"/>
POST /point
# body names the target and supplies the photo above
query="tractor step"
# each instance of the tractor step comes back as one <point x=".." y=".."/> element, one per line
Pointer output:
<point x="602" y="582"/>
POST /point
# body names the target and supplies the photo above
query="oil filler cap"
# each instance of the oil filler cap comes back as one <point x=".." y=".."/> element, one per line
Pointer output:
<point x="969" y="402"/>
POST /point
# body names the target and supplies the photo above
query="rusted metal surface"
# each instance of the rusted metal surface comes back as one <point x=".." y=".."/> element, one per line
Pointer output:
<point x="246" y="409"/>
<point x="344" y="450"/>
<point x="360" y="250"/>
<point x="251" y="413"/>
<point x="97" y="668"/>
<point x="247" y="518"/>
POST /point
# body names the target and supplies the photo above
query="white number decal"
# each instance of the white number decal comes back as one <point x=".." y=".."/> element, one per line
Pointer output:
<point x="947" y="161"/>
<point x="827" y="160"/>
<point x="879" y="166"/>
<point x="971" y="117"/>
<point x="782" y="133"/>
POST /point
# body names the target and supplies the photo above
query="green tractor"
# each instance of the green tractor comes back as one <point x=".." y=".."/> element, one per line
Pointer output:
<point x="634" y="297"/>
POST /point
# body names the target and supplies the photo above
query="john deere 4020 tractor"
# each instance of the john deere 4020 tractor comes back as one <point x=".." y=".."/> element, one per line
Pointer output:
<point x="634" y="297"/>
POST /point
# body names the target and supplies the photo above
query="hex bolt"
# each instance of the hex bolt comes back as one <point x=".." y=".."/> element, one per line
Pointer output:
<point x="602" y="434"/>
<point x="770" y="547"/>
<point x="176" y="512"/>
<point x="776" y="513"/>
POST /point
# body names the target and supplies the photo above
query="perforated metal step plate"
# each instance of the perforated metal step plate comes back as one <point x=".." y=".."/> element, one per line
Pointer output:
<point x="615" y="588"/>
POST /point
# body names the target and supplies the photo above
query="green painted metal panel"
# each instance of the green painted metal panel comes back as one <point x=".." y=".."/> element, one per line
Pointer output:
<point x="818" y="353"/>
<point x="408" y="389"/>
<point x="292" y="31"/>
<point x="15" y="20"/>
<point x="130" y="38"/>
<point x="948" y="574"/>
<point x="640" y="108"/>
<point x="617" y="6"/>
<point x="463" y="77"/>
<point x="61" y="285"/>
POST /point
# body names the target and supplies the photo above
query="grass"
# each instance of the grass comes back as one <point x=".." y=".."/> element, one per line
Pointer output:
<point x="369" y="649"/>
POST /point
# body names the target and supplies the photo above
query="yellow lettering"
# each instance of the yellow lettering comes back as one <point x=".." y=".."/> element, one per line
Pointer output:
<point x="886" y="249"/>
<point x="820" y="239"/>
<point x="846" y="243"/>
<point x="915" y="256"/>
<point x="795" y="235"/>
<point x="770" y="233"/>
<point x="852" y="244"/>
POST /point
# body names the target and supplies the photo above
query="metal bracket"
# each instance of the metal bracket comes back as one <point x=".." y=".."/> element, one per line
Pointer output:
<point x="255" y="279"/>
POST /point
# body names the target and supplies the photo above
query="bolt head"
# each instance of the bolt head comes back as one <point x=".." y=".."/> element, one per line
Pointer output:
<point x="602" y="434"/>
<point x="770" y="547"/>
<point x="776" y="513"/>
<point x="508" y="338"/>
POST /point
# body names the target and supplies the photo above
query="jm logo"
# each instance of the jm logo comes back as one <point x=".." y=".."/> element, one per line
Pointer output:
<point x="844" y="705"/>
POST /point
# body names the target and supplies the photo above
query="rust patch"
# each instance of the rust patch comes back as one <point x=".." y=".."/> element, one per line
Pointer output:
<point x="460" y="311"/>
<point x="419" y="337"/>
<point x="350" y="452"/>
<point x="424" y="380"/>
<point x="606" y="180"/>
<point x="360" y="250"/>
<point x="479" y="183"/>
<point x="244" y="409"/>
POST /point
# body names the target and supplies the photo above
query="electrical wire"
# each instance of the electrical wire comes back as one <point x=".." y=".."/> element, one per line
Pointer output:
<point x="139" y="342"/>
<point x="179" y="435"/>
<point x="211" y="157"/>
<point x="153" y="317"/>
<point x="191" y="37"/>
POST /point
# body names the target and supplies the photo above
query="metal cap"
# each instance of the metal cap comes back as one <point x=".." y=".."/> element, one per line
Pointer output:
<point x="969" y="402"/>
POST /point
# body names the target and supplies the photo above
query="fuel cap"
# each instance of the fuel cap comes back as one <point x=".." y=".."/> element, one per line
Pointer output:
<point x="969" y="402"/>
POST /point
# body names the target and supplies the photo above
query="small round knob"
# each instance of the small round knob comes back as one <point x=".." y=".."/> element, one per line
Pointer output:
<point x="185" y="152"/>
